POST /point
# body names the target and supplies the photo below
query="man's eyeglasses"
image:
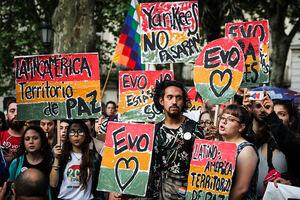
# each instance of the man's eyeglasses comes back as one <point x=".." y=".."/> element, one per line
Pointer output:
<point x="228" y="119"/>
<point x="78" y="131"/>
<point x="206" y="123"/>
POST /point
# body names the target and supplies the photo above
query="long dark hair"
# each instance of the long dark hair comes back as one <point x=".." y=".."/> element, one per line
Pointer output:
<point x="86" y="165"/>
<point x="290" y="108"/>
<point x="45" y="147"/>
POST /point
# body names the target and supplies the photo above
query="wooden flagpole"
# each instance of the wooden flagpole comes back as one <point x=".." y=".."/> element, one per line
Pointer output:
<point x="216" y="114"/>
<point x="58" y="132"/>
<point x="106" y="81"/>
<point x="172" y="67"/>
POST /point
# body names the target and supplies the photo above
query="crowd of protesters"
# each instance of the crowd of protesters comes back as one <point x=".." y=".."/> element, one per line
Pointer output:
<point x="264" y="132"/>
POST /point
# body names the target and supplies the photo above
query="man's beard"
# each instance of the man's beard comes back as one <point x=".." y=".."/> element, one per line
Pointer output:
<point x="260" y="119"/>
<point x="15" y="125"/>
<point x="174" y="115"/>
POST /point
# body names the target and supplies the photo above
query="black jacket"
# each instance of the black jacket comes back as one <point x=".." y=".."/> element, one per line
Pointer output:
<point x="289" y="144"/>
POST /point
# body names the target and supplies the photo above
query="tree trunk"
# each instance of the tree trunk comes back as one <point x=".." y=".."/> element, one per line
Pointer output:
<point x="280" y="40"/>
<point x="73" y="24"/>
<point x="279" y="54"/>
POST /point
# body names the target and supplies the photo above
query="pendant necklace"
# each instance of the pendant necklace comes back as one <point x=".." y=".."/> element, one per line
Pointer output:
<point x="76" y="156"/>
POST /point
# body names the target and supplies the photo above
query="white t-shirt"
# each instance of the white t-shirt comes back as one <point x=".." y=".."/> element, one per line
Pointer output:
<point x="70" y="187"/>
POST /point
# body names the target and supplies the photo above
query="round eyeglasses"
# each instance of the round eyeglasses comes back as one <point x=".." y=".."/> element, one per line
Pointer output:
<point x="73" y="132"/>
<point x="228" y="119"/>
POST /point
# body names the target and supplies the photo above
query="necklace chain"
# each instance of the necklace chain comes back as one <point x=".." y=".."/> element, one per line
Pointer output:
<point x="76" y="156"/>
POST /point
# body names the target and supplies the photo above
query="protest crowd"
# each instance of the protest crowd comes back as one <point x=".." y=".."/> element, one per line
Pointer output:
<point x="226" y="138"/>
<point x="261" y="129"/>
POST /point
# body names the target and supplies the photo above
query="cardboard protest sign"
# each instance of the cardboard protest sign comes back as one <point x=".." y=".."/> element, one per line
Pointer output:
<point x="259" y="29"/>
<point x="218" y="71"/>
<point x="195" y="100"/>
<point x="170" y="32"/>
<point x="211" y="170"/>
<point x="250" y="47"/>
<point x="58" y="86"/>
<point x="136" y="98"/>
<point x="126" y="158"/>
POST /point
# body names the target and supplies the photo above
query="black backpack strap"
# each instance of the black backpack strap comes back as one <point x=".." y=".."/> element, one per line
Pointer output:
<point x="271" y="145"/>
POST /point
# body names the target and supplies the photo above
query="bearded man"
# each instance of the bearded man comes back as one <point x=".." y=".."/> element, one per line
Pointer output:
<point x="10" y="139"/>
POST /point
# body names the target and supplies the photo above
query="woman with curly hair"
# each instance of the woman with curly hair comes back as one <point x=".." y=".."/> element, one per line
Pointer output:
<point x="75" y="167"/>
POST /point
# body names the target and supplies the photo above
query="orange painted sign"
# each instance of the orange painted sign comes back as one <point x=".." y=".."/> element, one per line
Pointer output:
<point x="260" y="30"/>
<point x="61" y="86"/>
<point x="126" y="158"/>
<point x="211" y="170"/>
<point x="136" y="97"/>
<point x="218" y="71"/>
<point x="195" y="100"/>
<point x="250" y="47"/>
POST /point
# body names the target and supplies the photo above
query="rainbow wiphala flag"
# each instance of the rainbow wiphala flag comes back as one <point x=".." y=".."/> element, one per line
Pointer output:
<point x="128" y="50"/>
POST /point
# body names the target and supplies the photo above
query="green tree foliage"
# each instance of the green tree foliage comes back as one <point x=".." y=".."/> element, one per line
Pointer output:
<point x="20" y="22"/>
<point x="19" y="34"/>
<point x="278" y="12"/>
<point x="213" y="14"/>
<point x="20" y="31"/>
<point x="109" y="16"/>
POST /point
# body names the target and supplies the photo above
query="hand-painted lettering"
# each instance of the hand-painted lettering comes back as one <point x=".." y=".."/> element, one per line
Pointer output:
<point x="213" y="57"/>
<point x="175" y="18"/>
<point x="139" y="81"/>
<point x="29" y="92"/>
<point x="51" y="109"/>
<point x="139" y="143"/>
<point x="248" y="30"/>
<point x="52" y="67"/>
<point x="82" y="106"/>
<point x="210" y="182"/>
<point x="170" y="32"/>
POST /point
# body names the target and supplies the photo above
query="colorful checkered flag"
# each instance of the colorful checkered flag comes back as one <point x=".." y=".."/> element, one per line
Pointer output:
<point x="128" y="50"/>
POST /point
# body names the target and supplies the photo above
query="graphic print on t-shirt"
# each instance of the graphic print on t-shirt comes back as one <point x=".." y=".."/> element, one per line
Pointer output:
<point x="73" y="176"/>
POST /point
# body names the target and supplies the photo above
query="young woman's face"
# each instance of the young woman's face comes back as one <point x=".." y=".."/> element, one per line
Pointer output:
<point x="63" y="130"/>
<point x="110" y="109"/>
<point x="48" y="127"/>
<point x="76" y="135"/>
<point x="205" y="120"/>
<point x="229" y="125"/>
<point x="32" y="141"/>
<point x="98" y="123"/>
<point x="283" y="114"/>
